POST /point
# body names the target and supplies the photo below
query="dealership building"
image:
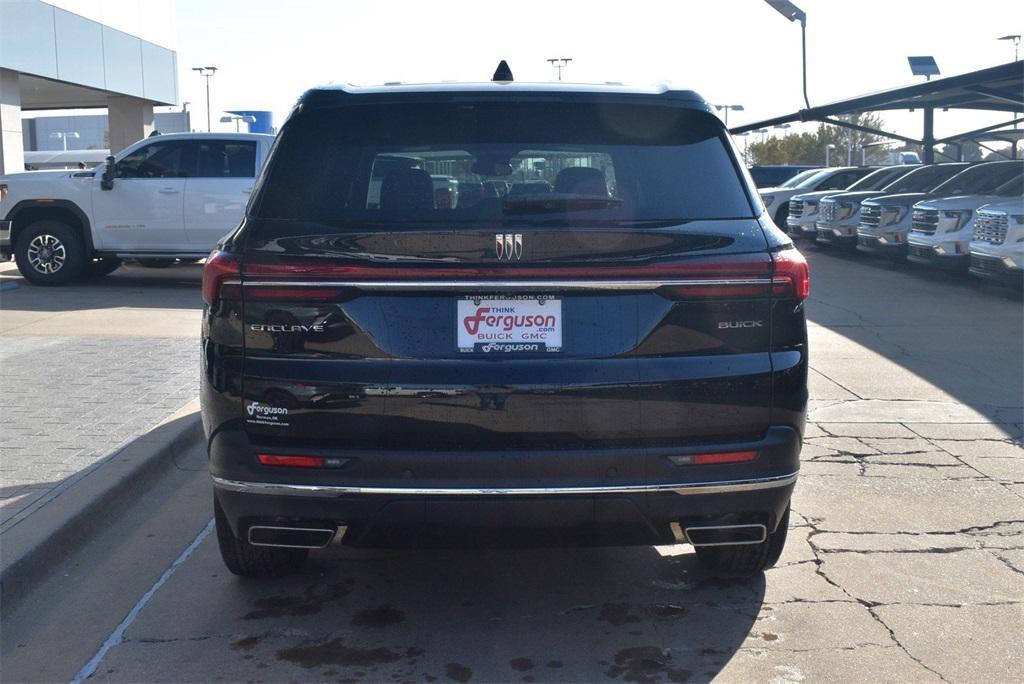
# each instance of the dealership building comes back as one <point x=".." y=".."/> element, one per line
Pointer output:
<point x="118" y="56"/>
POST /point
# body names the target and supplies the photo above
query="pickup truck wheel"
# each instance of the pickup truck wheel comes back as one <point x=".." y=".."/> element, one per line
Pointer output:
<point x="155" y="263"/>
<point x="742" y="560"/>
<point x="97" y="268"/>
<point x="49" y="253"/>
<point x="245" y="560"/>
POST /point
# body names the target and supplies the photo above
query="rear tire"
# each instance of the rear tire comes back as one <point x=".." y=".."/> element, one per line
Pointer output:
<point x="245" y="560"/>
<point x="743" y="560"/>
<point x="98" y="268"/>
<point x="781" y="215"/>
<point x="49" y="253"/>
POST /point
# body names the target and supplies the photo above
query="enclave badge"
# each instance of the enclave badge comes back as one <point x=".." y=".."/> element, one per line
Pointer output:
<point x="507" y="245"/>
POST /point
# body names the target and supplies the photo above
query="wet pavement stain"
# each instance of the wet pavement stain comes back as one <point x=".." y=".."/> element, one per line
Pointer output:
<point x="768" y="636"/>
<point x="310" y="602"/>
<point x="554" y="664"/>
<point x="617" y="614"/>
<point x="521" y="664"/>
<point x="335" y="652"/>
<point x="643" y="664"/>
<point x="245" y="643"/>
<point x="378" y="617"/>
<point x="458" y="672"/>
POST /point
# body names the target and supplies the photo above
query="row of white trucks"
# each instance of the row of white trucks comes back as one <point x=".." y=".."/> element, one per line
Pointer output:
<point x="955" y="216"/>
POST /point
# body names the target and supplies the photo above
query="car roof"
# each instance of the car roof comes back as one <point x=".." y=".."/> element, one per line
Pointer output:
<point x="235" y="136"/>
<point x="334" y="94"/>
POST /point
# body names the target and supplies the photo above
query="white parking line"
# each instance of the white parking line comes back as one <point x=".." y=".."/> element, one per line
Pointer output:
<point x="117" y="636"/>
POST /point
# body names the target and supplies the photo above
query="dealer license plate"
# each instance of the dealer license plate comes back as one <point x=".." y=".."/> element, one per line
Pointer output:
<point x="497" y="325"/>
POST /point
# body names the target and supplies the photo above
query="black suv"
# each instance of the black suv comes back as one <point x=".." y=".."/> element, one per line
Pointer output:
<point x="615" y="353"/>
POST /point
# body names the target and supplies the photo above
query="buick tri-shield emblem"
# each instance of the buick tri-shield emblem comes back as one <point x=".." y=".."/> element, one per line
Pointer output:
<point x="508" y="245"/>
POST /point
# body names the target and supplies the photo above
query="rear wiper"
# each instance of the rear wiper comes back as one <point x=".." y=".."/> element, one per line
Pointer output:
<point x="556" y="202"/>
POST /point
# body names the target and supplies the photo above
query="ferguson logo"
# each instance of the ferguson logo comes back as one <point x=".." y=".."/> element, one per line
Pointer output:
<point x="260" y="327"/>
<point x="258" y="409"/>
<point x="506" y="321"/>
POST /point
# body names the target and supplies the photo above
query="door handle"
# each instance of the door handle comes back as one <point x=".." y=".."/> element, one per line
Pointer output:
<point x="170" y="191"/>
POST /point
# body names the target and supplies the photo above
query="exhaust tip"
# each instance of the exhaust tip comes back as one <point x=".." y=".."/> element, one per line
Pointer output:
<point x="726" y="535"/>
<point x="291" y="537"/>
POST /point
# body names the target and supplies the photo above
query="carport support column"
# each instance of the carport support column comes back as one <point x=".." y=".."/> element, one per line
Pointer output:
<point x="129" y="120"/>
<point x="12" y="147"/>
<point x="929" y="135"/>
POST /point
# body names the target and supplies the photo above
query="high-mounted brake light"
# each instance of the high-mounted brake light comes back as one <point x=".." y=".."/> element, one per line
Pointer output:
<point x="220" y="266"/>
<point x="791" y="266"/>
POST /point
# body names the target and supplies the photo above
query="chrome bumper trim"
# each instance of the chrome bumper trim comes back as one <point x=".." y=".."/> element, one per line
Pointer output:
<point x="5" y="232"/>
<point x="328" y="491"/>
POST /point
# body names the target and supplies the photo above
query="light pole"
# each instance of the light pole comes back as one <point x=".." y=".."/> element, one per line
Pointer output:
<point x="794" y="13"/>
<point x="1015" y="37"/>
<point x="64" y="135"/>
<point x="828" y="153"/>
<point x="784" y="128"/>
<point x="726" y="108"/>
<point x="207" y="73"/>
<point x="248" y="118"/>
<point x="560" y="63"/>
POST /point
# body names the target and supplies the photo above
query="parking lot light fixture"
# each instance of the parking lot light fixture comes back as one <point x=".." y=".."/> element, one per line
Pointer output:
<point x="794" y="13"/>
<point x="1015" y="37"/>
<point x="207" y="73"/>
<point x="726" y="108"/>
<point x="828" y="153"/>
<point x="64" y="135"/>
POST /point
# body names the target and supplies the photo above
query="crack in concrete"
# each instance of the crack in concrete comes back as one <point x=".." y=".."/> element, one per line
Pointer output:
<point x="820" y="571"/>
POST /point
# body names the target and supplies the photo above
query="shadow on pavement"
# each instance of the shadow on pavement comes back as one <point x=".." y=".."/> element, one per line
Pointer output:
<point x="961" y="336"/>
<point x="176" y="287"/>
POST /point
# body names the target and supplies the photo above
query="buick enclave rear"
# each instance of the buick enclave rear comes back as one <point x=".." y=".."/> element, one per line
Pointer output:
<point x="615" y="354"/>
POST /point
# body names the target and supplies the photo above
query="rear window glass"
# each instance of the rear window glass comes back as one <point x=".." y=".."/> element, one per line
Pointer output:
<point x="520" y="162"/>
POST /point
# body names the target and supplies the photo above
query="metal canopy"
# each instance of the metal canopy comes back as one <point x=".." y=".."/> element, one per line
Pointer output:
<point x="999" y="88"/>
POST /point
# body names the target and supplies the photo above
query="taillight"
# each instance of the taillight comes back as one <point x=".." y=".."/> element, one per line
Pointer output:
<point x="220" y="266"/>
<point x="791" y="271"/>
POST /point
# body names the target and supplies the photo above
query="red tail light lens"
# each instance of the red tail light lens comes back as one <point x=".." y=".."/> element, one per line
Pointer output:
<point x="791" y="266"/>
<point x="220" y="266"/>
<point x="712" y="459"/>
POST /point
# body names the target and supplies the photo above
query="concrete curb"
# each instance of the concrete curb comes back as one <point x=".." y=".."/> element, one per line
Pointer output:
<point x="31" y="548"/>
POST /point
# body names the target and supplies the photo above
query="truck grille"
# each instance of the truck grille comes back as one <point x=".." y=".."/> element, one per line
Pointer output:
<point x="990" y="228"/>
<point x="796" y="209"/>
<point x="925" y="221"/>
<point x="986" y="265"/>
<point x="870" y="215"/>
<point x="828" y="212"/>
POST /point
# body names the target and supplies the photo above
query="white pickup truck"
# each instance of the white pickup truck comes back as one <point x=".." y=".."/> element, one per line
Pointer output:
<point x="166" y="197"/>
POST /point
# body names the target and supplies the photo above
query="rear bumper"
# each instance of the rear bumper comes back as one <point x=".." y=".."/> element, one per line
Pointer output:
<point x="603" y="508"/>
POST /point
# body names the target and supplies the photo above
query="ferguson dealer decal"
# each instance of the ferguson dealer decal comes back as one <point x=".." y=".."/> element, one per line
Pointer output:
<point x="509" y="325"/>
<point x="262" y="414"/>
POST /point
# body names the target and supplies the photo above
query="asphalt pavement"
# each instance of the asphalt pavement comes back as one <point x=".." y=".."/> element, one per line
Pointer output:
<point x="905" y="560"/>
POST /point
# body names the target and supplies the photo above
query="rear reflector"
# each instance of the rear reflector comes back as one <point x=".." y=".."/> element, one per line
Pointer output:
<point x="711" y="459"/>
<point x="300" y="461"/>
<point x="220" y="266"/>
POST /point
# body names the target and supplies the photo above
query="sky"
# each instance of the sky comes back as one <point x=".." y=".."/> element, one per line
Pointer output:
<point x="730" y="51"/>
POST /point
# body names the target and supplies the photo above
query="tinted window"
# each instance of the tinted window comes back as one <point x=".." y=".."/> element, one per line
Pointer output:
<point x="880" y="178"/>
<point x="163" y="159"/>
<point x="841" y="180"/>
<point x="1012" y="188"/>
<point x="799" y="178"/>
<point x="924" y="178"/>
<point x="601" y="162"/>
<point x="980" y="179"/>
<point x="226" y="159"/>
